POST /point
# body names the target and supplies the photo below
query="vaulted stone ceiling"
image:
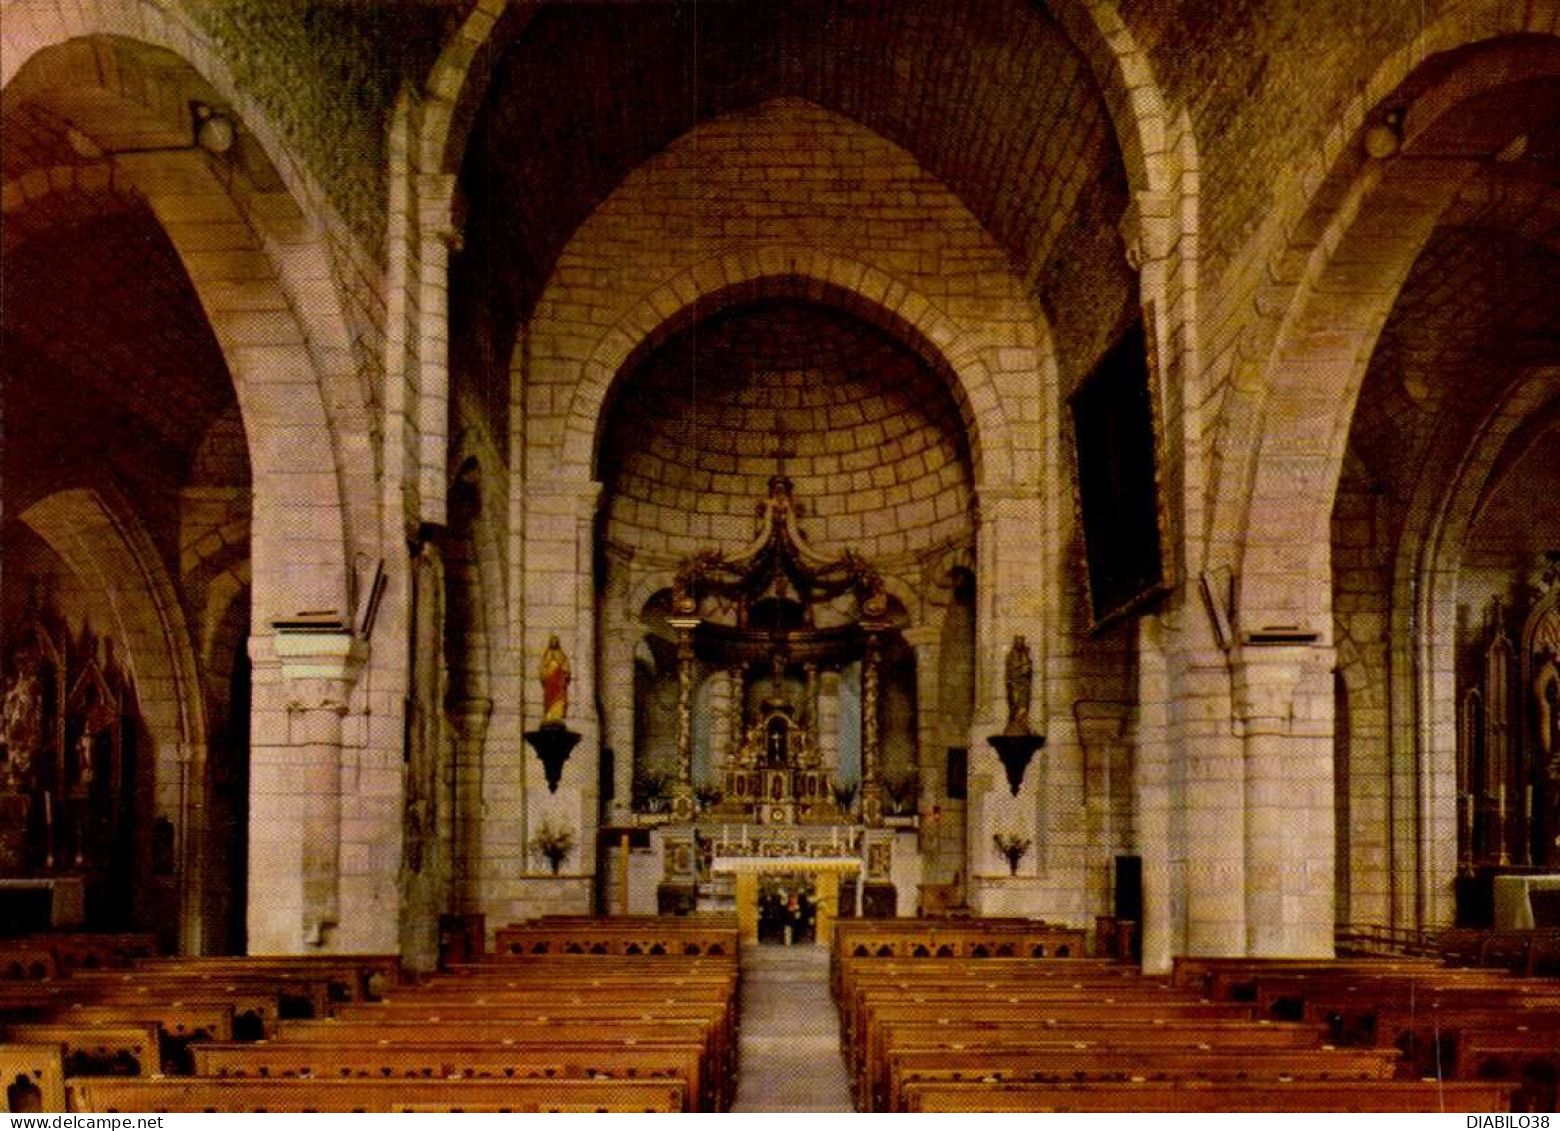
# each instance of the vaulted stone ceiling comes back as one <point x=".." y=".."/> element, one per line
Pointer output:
<point x="995" y="102"/>
<point x="1477" y="310"/>
<point x="107" y="353"/>
<point x="867" y="431"/>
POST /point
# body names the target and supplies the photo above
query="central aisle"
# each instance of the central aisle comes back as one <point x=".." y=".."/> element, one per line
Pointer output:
<point x="789" y="1051"/>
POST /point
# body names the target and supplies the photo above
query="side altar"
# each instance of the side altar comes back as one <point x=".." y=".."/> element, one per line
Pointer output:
<point x="781" y="621"/>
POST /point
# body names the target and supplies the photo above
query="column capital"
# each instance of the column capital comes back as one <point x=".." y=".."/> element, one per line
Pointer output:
<point x="1269" y="681"/>
<point x="320" y="667"/>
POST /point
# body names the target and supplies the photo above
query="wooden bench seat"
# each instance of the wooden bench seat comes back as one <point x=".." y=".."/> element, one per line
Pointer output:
<point x="1430" y="1038"/>
<point x="1530" y="1058"/>
<point x="956" y="938"/>
<point x="87" y="950"/>
<point x="553" y="1060"/>
<point x="868" y="1047"/>
<point x="719" y="1060"/>
<point x="1214" y="976"/>
<point x="1054" y="1003"/>
<point x="716" y="1019"/>
<point x="1020" y="1039"/>
<point x="652" y="936"/>
<point x="27" y="964"/>
<point x="254" y="1012"/>
<point x="32" y="1078"/>
<point x="124" y="1049"/>
<point x="304" y="1095"/>
<point x="1197" y="1096"/>
<point x="1133" y="1063"/>
<point x="1532" y="952"/>
<point x="1016" y="1038"/>
<point x="178" y="1024"/>
<point x="348" y="977"/>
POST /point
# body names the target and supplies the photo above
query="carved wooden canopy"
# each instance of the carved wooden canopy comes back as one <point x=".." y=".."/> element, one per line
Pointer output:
<point x="777" y="564"/>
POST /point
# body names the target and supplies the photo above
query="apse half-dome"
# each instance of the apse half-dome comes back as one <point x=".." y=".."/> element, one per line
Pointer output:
<point x="865" y="428"/>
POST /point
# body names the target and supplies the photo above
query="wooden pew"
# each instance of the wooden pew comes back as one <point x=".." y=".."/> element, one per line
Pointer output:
<point x="302" y="1095"/>
<point x="1196" y="1096"/>
<point x="1019" y="1039"/>
<point x="621" y="1060"/>
<point x="1528" y="1057"/>
<point x="178" y="1025"/>
<point x="348" y="977"/>
<point x="254" y="1009"/>
<point x="86" y="950"/>
<point x="884" y="1017"/>
<point x="127" y="1049"/>
<point x="1531" y="952"/>
<point x="655" y="937"/>
<point x="717" y="1062"/>
<point x="32" y="1078"/>
<point x="1218" y="977"/>
<point x="956" y="938"/>
<point x="1130" y="1064"/>
<point x="27" y="964"/>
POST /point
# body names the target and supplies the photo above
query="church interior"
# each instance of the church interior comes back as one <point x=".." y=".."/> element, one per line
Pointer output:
<point x="812" y="467"/>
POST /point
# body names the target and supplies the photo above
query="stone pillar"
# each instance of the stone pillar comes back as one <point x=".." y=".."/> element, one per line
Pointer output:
<point x="1284" y="700"/>
<point x="1214" y="798"/>
<point x="1011" y="600"/>
<point x="469" y="720"/>
<point x="296" y="787"/>
<point x="616" y="648"/>
<point x="439" y="234"/>
<point x="1102" y="733"/>
<point x="923" y="640"/>
<point x="1161" y="833"/>
<point x="558" y="587"/>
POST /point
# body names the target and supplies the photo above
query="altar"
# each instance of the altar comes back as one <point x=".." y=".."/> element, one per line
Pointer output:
<point x="826" y="875"/>
<point x="1514" y="900"/>
<point x="774" y="624"/>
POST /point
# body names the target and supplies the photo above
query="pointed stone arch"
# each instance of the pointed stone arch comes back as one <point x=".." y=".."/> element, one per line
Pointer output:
<point x="1367" y="229"/>
<point x="261" y="272"/>
<point x="95" y="533"/>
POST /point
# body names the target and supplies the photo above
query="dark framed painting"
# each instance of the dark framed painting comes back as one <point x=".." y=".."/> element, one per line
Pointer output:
<point x="1116" y="451"/>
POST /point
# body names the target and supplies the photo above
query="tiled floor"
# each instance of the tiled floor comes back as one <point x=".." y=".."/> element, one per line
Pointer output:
<point x="790" y="1044"/>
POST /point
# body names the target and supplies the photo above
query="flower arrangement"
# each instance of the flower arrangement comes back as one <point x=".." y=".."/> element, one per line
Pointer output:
<point x="554" y="844"/>
<point x="845" y="795"/>
<point x="1013" y="847"/>
<point x="709" y="796"/>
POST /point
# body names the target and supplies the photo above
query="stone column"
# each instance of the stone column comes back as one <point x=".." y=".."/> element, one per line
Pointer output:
<point x="1161" y="833"/>
<point x="616" y="668"/>
<point x="1011" y="581"/>
<point x="296" y="788"/>
<point x="558" y="587"/>
<point x="469" y="720"/>
<point x="923" y="640"/>
<point x="1285" y="702"/>
<point x="1102" y="734"/>
<point x="1214" y="798"/>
